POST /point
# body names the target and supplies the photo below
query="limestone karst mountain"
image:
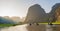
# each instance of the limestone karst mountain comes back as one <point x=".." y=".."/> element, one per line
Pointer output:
<point x="55" y="12"/>
<point x="36" y="14"/>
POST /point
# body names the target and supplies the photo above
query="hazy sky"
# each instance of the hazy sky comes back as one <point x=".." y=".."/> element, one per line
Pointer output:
<point x="20" y="7"/>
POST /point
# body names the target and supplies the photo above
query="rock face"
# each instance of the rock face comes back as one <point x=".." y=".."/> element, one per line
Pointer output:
<point x="55" y="12"/>
<point x="36" y="14"/>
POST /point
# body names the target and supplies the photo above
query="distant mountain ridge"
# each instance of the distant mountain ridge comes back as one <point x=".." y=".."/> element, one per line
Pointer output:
<point x="6" y="21"/>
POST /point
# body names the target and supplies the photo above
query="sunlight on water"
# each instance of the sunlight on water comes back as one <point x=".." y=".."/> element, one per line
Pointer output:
<point x="16" y="28"/>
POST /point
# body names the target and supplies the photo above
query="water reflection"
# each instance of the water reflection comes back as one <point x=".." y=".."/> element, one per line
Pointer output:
<point x="33" y="27"/>
<point x="26" y="27"/>
<point x="15" y="28"/>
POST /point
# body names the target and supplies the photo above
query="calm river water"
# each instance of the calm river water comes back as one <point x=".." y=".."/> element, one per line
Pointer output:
<point x="16" y="28"/>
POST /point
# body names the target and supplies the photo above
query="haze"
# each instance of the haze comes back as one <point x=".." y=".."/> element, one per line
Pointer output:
<point x="20" y="7"/>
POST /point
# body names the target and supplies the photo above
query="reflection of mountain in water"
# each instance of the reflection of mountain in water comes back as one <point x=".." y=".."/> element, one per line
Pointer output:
<point x="25" y="27"/>
<point x="41" y="27"/>
<point x="53" y="16"/>
<point x="6" y="21"/>
<point x="55" y="13"/>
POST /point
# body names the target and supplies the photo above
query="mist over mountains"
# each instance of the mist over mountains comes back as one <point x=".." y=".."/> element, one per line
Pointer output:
<point x="37" y="14"/>
<point x="6" y="21"/>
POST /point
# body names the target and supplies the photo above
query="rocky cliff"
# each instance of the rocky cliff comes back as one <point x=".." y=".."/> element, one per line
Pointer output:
<point x="36" y="14"/>
<point x="55" y="12"/>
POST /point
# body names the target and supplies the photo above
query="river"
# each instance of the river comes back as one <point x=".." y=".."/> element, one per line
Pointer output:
<point x="27" y="27"/>
<point x="16" y="28"/>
